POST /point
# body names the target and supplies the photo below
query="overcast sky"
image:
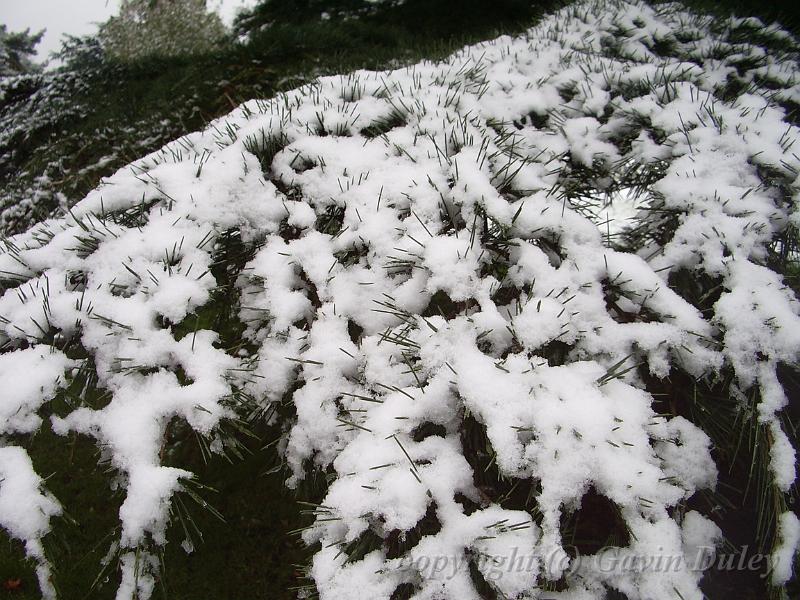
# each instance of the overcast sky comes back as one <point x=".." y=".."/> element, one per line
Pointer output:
<point x="77" y="17"/>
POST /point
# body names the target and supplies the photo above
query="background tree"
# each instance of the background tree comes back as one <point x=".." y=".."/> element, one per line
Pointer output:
<point x="146" y="28"/>
<point x="16" y="51"/>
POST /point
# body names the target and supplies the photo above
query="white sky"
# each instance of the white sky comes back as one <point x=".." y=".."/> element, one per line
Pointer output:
<point x="78" y="17"/>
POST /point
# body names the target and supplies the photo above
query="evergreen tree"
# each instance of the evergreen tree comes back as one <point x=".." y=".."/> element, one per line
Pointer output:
<point x="146" y="28"/>
<point x="16" y="51"/>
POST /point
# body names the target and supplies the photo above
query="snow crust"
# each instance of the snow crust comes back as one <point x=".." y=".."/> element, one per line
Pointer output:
<point x="369" y="200"/>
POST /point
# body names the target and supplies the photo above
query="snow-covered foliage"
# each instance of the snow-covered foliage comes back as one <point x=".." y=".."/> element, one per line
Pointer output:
<point x="35" y="105"/>
<point x="44" y="165"/>
<point x="424" y="275"/>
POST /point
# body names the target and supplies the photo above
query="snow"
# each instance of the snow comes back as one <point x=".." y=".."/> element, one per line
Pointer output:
<point x="26" y="509"/>
<point x="784" y="554"/>
<point x="23" y="396"/>
<point x="420" y="244"/>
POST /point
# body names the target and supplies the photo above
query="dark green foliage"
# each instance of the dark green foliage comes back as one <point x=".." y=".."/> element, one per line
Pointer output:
<point x="16" y="51"/>
<point x="431" y="17"/>
<point x="785" y="13"/>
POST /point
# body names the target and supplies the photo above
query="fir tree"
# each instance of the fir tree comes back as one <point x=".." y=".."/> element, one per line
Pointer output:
<point x="17" y="50"/>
